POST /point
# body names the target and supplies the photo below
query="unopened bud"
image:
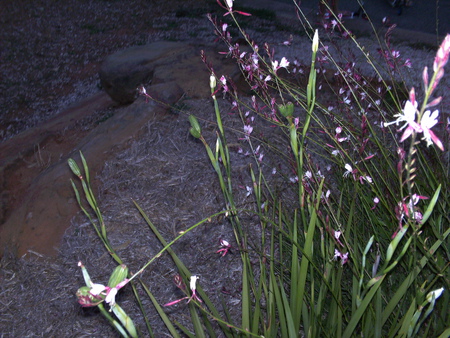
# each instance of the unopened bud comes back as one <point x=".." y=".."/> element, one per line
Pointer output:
<point x="315" y="44"/>
<point x="74" y="167"/>
<point x="286" y="109"/>
<point x="412" y="96"/>
<point x="442" y="54"/>
<point x="212" y="81"/>
<point x="425" y="77"/>
<point x="118" y="275"/>
<point x="436" y="294"/>
<point x="195" y="130"/>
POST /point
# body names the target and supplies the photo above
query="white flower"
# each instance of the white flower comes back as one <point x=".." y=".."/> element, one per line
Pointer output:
<point x="429" y="120"/>
<point x="193" y="282"/>
<point x="284" y="63"/>
<point x="230" y="3"/>
<point x="337" y="234"/>
<point x="96" y="289"/>
<point x="349" y="170"/>
<point x="408" y="116"/>
<point x="249" y="191"/>
<point x="111" y="297"/>
<point x="247" y="130"/>
<point x="366" y="178"/>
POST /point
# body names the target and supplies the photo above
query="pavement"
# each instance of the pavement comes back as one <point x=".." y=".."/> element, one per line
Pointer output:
<point x="425" y="21"/>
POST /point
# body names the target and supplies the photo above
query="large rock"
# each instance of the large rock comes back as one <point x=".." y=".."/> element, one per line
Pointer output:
<point x="161" y="62"/>
<point x="122" y="72"/>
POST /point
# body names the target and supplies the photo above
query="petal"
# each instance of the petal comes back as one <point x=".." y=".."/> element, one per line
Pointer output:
<point x="96" y="289"/>
<point x="407" y="133"/>
<point x="436" y="140"/>
<point x="111" y="297"/>
<point x="429" y="119"/>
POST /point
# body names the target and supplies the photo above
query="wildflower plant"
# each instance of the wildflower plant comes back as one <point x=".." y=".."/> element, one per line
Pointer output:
<point x="351" y="204"/>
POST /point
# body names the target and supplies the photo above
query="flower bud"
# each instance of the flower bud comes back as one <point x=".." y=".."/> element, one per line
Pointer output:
<point x="286" y="109"/>
<point x="436" y="294"/>
<point x="315" y="44"/>
<point x="195" y="130"/>
<point x="74" y="167"/>
<point x="442" y="54"/>
<point x="212" y="81"/>
<point x="425" y="77"/>
<point x="118" y="275"/>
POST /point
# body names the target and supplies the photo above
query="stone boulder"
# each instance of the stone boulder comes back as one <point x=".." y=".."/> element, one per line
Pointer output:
<point x="161" y="62"/>
<point x="122" y="72"/>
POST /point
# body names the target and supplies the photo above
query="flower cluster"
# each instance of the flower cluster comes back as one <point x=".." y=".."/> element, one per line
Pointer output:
<point x="93" y="294"/>
<point x="421" y="121"/>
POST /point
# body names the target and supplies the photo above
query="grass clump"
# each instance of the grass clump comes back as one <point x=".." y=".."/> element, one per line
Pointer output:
<point x="351" y="234"/>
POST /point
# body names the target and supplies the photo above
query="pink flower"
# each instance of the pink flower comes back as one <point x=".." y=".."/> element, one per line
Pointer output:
<point x="224" y="247"/>
<point x="341" y="256"/>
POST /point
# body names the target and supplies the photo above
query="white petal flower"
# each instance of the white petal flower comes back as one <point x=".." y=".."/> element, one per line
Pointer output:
<point x="96" y="289"/>
<point x="193" y="282"/>
<point x="429" y="120"/>
<point x="349" y="170"/>
<point x="284" y="62"/>
<point x="111" y="297"/>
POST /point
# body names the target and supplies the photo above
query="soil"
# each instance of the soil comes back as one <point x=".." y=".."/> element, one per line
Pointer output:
<point x="164" y="170"/>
